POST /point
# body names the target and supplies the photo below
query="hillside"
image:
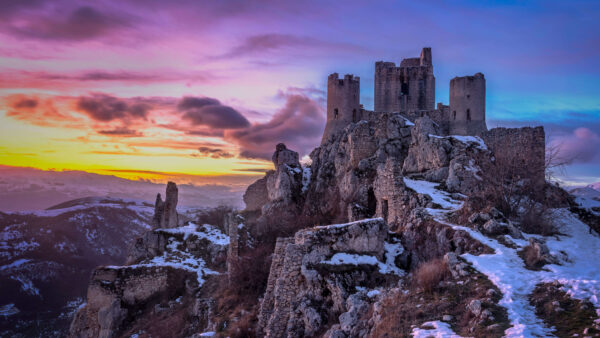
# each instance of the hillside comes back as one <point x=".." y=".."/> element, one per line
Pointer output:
<point x="46" y="258"/>
<point x="394" y="229"/>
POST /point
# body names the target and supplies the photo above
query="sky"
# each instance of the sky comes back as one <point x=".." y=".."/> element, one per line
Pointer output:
<point x="202" y="91"/>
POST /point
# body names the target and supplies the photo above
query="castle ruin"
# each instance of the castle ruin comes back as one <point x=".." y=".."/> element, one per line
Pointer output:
<point x="410" y="90"/>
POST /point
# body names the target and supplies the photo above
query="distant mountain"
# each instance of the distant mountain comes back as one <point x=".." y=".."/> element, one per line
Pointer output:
<point x="586" y="192"/>
<point x="29" y="189"/>
<point x="595" y="186"/>
<point x="46" y="258"/>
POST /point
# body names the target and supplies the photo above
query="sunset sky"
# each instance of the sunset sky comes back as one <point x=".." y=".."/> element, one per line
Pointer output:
<point x="203" y="90"/>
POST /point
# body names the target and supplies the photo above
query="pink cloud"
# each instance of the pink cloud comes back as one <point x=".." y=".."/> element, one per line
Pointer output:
<point x="299" y="124"/>
<point x="583" y="145"/>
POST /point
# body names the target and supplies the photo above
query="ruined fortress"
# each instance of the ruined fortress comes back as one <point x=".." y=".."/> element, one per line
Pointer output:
<point x="410" y="90"/>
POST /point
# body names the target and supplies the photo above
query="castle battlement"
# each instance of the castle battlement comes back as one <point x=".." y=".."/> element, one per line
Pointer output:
<point x="410" y="90"/>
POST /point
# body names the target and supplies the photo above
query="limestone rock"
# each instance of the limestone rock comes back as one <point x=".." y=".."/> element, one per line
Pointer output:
<point x="165" y="213"/>
<point x="284" y="156"/>
<point x="295" y="303"/>
<point x="256" y="195"/>
<point x="493" y="227"/>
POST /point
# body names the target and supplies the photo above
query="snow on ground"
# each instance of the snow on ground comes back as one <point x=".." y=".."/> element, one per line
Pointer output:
<point x="388" y="267"/>
<point x="438" y="196"/>
<point x="343" y="225"/>
<point x="14" y="264"/>
<point x="140" y="207"/>
<point x="207" y="231"/>
<point x="588" y="203"/>
<point x="178" y="259"/>
<point x="476" y="140"/>
<point x="26" y="285"/>
<point x="435" y="329"/>
<point x="579" y="274"/>
<point x="8" y="310"/>
<point x="306" y="176"/>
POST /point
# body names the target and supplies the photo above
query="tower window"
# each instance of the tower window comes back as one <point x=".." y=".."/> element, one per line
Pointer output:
<point x="353" y="115"/>
<point x="454" y="115"/>
<point x="335" y="113"/>
<point x="468" y="114"/>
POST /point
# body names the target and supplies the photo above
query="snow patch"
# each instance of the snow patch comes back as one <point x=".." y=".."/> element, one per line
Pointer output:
<point x="343" y="225"/>
<point x="207" y="231"/>
<point x="8" y="310"/>
<point x="306" y="176"/>
<point x="435" y="329"/>
<point x="437" y="196"/>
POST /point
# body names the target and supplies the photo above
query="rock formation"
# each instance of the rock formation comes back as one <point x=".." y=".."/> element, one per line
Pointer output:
<point x="165" y="213"/>
<point x="347" y="233"/>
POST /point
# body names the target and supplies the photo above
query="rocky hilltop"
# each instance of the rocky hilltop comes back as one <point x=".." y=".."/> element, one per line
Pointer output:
<point x="394" y="229"/>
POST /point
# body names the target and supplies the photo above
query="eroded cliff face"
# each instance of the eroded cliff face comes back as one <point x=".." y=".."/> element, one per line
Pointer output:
<point x="345" y="235"/>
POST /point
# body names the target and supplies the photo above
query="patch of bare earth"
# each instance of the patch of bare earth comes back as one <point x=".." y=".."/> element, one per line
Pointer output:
<point x="569" y="317"/>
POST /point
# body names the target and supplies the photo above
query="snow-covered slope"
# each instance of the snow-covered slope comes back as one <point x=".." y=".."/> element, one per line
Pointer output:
<point x="46" y="257"/>
<point x="577" y="248"/>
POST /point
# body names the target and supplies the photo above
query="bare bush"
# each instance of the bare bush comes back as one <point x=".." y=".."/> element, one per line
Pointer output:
<point x="535" y="220"/>
<point x="214" y="216"/>
<point x="429" y="274"/>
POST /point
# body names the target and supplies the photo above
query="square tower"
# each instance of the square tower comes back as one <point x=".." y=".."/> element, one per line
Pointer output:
<point x="407" y="88"/>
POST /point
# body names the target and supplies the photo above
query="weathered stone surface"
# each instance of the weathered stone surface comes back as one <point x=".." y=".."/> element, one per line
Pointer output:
<point x="165" y="213"/>
<point x="114" y="293"/>
<point x="284" y="156"/>
<point x="295" y="304"/>
<point x="256" y="195"/>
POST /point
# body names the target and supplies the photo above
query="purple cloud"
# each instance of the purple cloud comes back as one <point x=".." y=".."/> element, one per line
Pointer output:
<point x="81" y="23"/>
<point x="105" y="108"/>
<point x="583" y="145"/>
<point x="210" y="112"/>
<point x="299" y="124"/>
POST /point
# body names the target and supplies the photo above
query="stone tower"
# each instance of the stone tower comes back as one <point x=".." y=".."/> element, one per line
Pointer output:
<point x="467" y="105"/>
<point x="408" y="88"/>
<point x="343" y="103"/>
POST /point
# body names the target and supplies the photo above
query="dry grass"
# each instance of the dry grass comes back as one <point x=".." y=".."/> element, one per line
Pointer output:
<point x="534" y="221"/>
<point x="429" y="275"/>
<point x="569" y="317"/>
<point x="532" y="261"/>
<point x="402" y="309"/>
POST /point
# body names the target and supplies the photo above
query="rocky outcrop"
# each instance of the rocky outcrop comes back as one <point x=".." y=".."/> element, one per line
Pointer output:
<point x="165" y="213"/>
<point x="165" y="272"/>
<point x="115" y="295"/>
<point x="256" y="195"/>
<point x="452" y="160"/>
<point x="345" y="167"/>
<point x="314" y="274"/>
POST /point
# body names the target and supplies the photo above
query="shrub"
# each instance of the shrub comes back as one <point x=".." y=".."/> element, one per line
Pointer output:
<point x="535" y="221"/>
<point x="214" y="216"/>
<point x="429" y="274"/>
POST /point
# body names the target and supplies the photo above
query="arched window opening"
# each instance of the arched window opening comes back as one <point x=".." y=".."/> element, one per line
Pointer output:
<point x="454" y="114"/>
<point x="353" y="115"/>
<point x="468" y="114"/>
<point x="335" y="113"/>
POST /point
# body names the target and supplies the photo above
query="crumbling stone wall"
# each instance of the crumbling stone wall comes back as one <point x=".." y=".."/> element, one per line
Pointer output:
<point x="295" y="303"/>
<point x="524" y="149"/>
